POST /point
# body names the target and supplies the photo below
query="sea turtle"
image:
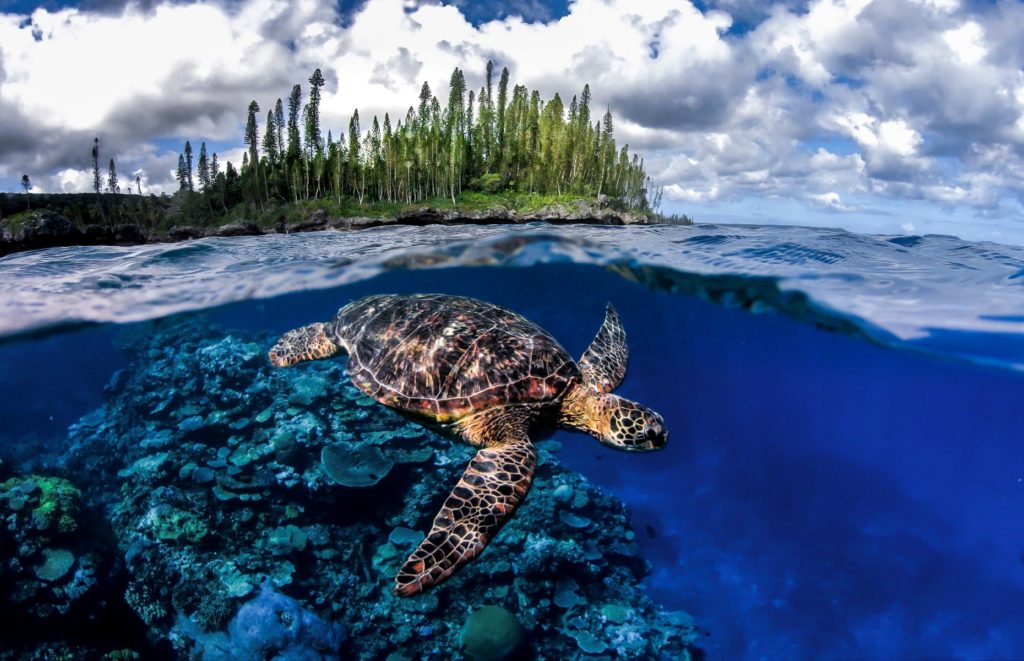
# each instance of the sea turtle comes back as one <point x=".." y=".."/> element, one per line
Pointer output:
<point x="488" y="377"/>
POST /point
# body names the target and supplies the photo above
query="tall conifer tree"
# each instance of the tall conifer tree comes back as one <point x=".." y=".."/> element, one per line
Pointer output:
<point x="112" y="186"/>
<point x="96" y="165"/>
<point x="294" y="106"/>
<point x="188" y="165"/>
<point x="204" y="169"/>
<point x="314" y="143"/>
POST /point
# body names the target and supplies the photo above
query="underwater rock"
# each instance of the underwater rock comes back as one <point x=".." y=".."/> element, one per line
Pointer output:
<point x="224" y="512"/>
<point x="491" y="633"/>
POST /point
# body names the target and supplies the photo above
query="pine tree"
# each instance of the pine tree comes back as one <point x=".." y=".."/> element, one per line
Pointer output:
<point x="294" y="103"/>
<point x="138" y="183"/>
<point x="26" y="183"/>
<point x="204" y="169"/>
<point x="112" y="186"/>
<point x="499" y="149"/>
<point x="279" y="125"/>
<point x="216" y="179"/>
<point x="188" y="166"/>
<point x="455" y="141"/>
<point x="182" y="177"/>
<point x="270" y="147"/>
<point x="487" y="121"/>
<point x="354" y="169"/>
<point x="96" y="165"/>
<point x="252" y="141"/>
<point x="314" y="143"/>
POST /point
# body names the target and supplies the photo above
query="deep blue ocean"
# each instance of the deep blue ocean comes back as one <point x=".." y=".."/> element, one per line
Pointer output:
<point x="844" y="476"/>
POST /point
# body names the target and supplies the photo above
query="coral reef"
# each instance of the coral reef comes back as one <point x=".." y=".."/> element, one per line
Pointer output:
<point x="46" y="566"/>
<point x="237" y="541"/>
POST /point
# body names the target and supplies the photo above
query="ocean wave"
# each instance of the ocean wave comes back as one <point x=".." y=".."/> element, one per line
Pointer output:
<point x="936" y="294"/>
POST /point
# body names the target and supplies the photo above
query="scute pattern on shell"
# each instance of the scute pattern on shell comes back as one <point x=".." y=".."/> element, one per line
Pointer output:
<point x="447" y="356"/>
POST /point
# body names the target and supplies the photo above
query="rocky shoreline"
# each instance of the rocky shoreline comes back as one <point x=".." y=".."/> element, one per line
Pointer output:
<point x="48" y="229"/>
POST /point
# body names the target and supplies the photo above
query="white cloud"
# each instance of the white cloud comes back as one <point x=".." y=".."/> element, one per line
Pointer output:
<point x="819" y="103"/>
<point x="70" y="180"/>
<point x="967" y="42"/>
<point x="832" y="201"/>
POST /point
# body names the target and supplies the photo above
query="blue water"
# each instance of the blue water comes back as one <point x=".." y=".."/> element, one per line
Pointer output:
<point x="846" y="494"/>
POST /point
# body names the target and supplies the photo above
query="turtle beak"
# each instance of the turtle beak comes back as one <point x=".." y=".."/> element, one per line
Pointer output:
<point x="656" y="435"/>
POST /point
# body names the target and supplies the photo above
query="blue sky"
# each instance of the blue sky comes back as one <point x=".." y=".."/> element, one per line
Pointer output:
<point x="902" y="116"/>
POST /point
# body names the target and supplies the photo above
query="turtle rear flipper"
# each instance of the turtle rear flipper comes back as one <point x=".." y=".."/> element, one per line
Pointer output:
<point x="603" y="364"/>
<point x="494" y="484"/>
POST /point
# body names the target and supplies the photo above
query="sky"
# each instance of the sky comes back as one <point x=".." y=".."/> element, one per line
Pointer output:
<point x="894" y="116"/>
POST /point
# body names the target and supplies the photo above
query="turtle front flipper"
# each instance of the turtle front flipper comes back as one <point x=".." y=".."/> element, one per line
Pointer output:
<point x="494" y="484"/>
<point x="603" y="365"/>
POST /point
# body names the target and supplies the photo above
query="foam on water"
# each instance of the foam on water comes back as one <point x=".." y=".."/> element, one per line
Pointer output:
<point x="936" y="294"/>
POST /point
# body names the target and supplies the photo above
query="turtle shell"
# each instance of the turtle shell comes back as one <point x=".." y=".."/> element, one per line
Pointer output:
<point x="445" y="357"/>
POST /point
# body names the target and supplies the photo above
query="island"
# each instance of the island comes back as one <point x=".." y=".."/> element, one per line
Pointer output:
<point x="483" y="157"/>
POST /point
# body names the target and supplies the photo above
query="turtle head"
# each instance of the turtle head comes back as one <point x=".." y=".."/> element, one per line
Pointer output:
<point x="626" y="425"/>
<point x="615" y="421"/>
<point x="310" y="342"/>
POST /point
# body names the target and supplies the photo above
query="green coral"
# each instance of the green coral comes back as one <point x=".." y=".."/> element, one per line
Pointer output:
<point x="177" y="526"/>
<point x="491" y="633"/>
<point x="55" y="501"/>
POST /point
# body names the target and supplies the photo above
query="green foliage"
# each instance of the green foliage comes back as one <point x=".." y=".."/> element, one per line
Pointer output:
<point x="492" y="182"/>
<point x="516" y="144"/>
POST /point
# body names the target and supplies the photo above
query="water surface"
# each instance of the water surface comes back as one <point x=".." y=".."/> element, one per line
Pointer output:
<point x="854" y="493"/>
